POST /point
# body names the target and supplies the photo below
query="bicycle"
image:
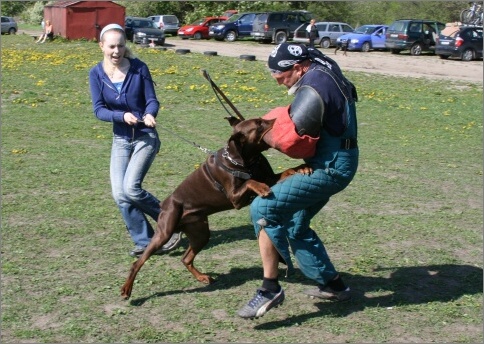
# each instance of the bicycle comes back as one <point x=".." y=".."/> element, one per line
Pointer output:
<point x="472" y="15"/>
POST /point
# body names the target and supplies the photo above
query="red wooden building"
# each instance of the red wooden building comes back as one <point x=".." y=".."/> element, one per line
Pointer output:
<point x="83" y="19"/>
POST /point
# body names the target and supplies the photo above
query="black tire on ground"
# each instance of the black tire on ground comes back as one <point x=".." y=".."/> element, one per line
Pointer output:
<point x="182" y="51"/>
<point x="210" y="53"/>
<point x="467" y="55"/>
<point x="247" y="57"/>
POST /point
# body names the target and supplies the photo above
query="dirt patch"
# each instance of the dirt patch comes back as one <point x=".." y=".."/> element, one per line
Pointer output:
<point x="403" y="64"/>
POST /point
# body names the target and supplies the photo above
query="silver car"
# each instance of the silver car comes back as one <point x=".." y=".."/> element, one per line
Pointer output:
<point x="328" y="33"/>
<point x="9" y="25"/>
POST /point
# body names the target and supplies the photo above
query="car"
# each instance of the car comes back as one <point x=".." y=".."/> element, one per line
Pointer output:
<point x="199" y="28"/>
<point x="364" y="38"/>
<point x="237" y="26"/>
<point x="9" y="25"/>
<point x="169" y="23"/>
<point x="328" y="33"/>
<point x="416" y="35"/>
<point x="278" y="27"/>
<point x="464" y="42"/>
<point x="143" y="30"/>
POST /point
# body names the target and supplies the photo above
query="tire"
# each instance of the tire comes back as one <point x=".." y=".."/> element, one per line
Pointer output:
<point x="210" y="53"/>
<point x="197" y="35"/>
<point x="231" y="36"/>
<point x="444" y="57"/>
<point x="395" y="51"/>
<point x="247" y="57"/>
<point x="325" y="43"/>
<point x="416" y="49"/>
<point x="280" y="37"/>
<point x="366" y="47"/>
<point x="182" y="51"/>
<point x="12" y="31"/>
<point x="467" y="55"/>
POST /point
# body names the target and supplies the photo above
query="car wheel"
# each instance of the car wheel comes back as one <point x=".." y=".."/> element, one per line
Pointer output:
<point x="162" y="42"/>
<point x="12" y="31"/>
<point x="416" y="49"/>
<point x="197" y="35"/>
<point x="365" y="47"/>
<point x="444" y="57"/>
<point x="325" y="43"/>
<point x="468" y="55"/>
<point x="280" y="37"/>
<point x="230" y="36"/>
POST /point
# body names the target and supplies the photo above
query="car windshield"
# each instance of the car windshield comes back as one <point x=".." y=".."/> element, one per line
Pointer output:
<point x="144" y="24"/>
<point x="198" y="22"/>
<point x="365" y="29"/>
<point x="170" y="20"/>
<point x="233" y="18"/>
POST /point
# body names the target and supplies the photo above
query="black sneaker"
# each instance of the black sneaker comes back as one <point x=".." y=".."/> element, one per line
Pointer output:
<point x="261" y="303"/>
<point x="327" y="293"/>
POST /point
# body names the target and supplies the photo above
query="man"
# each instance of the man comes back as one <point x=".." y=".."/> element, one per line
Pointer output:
<point x="320" y="127"/>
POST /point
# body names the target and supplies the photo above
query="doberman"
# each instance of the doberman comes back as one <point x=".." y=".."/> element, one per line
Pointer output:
<point x="229" y="178"/>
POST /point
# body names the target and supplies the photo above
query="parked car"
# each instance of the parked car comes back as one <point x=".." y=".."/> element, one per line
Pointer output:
<point x="415" y="35"/>
<point x="464" y="42"/>
<point x="328" y="33"/>
<point x="364" y="38"/>
<point x="143" y="30"/>
<point x="9" y="25"/>
<point x="237" y="26"/>
<point x="169" y="23"/>
<point x="278" y="27"/>
<point x="199" y="28"/>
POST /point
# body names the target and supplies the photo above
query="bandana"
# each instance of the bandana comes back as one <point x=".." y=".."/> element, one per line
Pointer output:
<point x="110" y="27"/>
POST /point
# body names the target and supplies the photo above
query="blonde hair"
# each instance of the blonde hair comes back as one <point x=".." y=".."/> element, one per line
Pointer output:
<point x="127" y="53"/>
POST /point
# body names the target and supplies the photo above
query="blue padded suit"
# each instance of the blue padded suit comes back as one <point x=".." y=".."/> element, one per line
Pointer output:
<point x="286" y="214"/>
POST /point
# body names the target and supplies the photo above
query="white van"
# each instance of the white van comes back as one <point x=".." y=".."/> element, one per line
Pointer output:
<point x="169" y="23"/>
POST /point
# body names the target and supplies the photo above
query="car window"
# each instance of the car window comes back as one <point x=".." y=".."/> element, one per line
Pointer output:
<point x="5" y="20"/>
<point x="276" y="17"/>
<point x="335" y="28"/>
<point x="249" y="18"/>
<point x="478" y="33"/>
<point x="397" y="26"/>
<point x="291" y="18"/>
<point x="234" y="18"/>
<point x="415" y="27"/>
<point x="322" y="27"/>
<point x="347" y="28"/>
<point x="170" y="20"/>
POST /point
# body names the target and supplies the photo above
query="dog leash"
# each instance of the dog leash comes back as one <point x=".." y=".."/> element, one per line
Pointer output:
<point x="205" y="150"/>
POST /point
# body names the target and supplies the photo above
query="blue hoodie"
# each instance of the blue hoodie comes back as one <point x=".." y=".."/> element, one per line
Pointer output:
<point x="137" y="96"/>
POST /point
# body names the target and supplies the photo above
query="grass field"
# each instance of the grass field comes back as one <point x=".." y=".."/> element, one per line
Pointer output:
<point x="406" y="234"/>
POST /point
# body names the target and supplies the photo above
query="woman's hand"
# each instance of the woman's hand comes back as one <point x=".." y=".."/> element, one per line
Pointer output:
<point x="149" y="120"/>
<point x="130" y="119"/>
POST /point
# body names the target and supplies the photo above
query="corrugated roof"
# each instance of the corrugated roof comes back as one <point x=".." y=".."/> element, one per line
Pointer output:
<point x="67" y="3"/>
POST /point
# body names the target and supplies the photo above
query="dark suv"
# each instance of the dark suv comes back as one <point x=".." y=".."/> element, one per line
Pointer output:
<point x="237" y="26"/>
<point x="415" y="35"/>
<point x="278" y="27"/>
<point x="463" y="42"/>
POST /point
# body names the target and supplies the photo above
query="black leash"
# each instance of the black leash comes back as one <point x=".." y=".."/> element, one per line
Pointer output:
<point x="205" y="150"/>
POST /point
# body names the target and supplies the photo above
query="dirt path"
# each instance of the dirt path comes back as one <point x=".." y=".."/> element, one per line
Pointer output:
<point x="427" y="66"/>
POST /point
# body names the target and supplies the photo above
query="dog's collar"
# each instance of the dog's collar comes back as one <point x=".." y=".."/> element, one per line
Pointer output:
<point x="235" y="173"/>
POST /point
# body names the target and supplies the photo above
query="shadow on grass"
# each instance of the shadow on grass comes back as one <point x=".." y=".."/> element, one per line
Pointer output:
<point x="407" y="286"/>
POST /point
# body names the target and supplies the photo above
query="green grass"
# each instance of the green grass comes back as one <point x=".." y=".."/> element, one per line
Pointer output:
<point x="406" y="234"/>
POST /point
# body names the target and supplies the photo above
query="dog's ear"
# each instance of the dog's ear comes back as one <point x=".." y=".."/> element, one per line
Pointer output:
<point x="233" y="120"/>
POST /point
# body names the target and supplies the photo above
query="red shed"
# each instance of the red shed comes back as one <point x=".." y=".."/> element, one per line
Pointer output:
<point x="83" y="19"/>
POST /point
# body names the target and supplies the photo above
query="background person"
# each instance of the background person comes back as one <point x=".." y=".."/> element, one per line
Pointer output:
<point x="313" y="32"/>
<point x="48" y="32"/>
<point x="123" y="93"/>
<point x="323" y="132"/>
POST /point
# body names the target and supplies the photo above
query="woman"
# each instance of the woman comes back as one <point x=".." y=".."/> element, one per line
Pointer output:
<point x="48" y="32"/>
<point x="123" y="93"/>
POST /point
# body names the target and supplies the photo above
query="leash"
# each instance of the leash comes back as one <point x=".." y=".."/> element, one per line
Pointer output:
<point x="218" y="92"/>
<point x="205" y="150"/>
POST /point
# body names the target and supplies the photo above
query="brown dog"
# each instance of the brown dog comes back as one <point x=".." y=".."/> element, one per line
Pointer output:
<point x="229" y="178"/>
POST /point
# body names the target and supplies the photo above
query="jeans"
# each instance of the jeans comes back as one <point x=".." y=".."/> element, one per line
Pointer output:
<point x="130" y="161"/>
